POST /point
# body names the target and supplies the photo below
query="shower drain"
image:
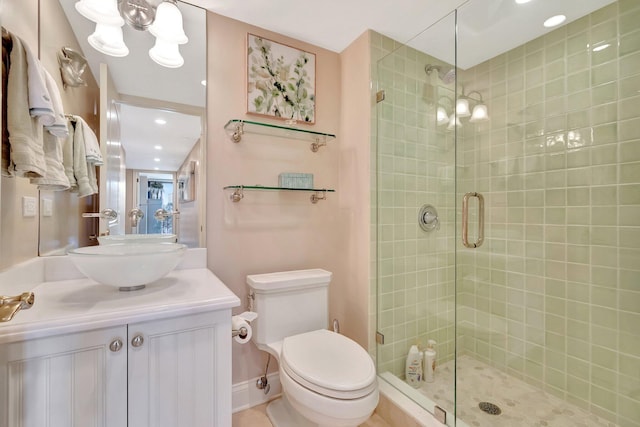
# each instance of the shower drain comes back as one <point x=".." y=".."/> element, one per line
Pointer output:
<point x="490" y="408"/>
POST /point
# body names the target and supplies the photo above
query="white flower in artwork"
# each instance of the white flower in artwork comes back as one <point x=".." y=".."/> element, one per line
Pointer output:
<point x="279" y="81"/>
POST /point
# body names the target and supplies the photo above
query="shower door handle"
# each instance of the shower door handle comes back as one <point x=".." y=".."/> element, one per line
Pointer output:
<point x="465" y="220"/>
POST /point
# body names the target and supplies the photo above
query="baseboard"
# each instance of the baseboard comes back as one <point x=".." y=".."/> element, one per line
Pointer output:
<point x="246" y="395"/>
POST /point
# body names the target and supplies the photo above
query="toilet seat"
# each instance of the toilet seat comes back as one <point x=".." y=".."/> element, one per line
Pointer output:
<point x="329" y="364"/>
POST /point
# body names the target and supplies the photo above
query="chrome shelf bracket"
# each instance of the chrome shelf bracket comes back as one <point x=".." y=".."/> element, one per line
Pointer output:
<point x="236" y="136"/>
<point x="315" y="146"/>
<point x="237" y="195"/>
<point x="318" y="195"/>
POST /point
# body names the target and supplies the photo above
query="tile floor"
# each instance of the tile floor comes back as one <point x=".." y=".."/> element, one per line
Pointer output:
<point x="257" y="417"/>
<point x="522" y="405"/>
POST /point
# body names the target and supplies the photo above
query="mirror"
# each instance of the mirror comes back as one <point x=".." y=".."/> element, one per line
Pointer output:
<point x="150" y="123"/>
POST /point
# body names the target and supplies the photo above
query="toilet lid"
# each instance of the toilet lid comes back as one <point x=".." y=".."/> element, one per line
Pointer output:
<point x="329" y="363"/>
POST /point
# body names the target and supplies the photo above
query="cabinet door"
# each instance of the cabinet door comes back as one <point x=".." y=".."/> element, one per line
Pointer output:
<point x="180" y="371"/>
<point x="72" y="380"/>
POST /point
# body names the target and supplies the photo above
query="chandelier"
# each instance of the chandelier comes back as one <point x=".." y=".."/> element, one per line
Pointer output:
<point x="163" y="21"/>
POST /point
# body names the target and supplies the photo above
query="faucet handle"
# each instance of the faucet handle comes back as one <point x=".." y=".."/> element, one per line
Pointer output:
<point x="108" y="214"/>
<point x="9" y="306"/>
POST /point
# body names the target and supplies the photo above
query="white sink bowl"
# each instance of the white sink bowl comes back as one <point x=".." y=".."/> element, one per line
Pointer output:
<point x="128" y="266"/>
<point x="137" y="238"/>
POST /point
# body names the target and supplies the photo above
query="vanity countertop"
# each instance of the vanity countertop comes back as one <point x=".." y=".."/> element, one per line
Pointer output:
<point x="66" y="306"/>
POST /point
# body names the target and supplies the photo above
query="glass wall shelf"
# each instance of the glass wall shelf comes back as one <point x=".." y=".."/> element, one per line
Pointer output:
<point x="238" y="193"/>
<point x="236" y="128"/>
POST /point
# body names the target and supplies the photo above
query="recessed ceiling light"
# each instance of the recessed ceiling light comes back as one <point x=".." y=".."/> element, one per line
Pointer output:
<point x="522" y="1"/>
<point x="601" y="47"/>
<point x="156" y="159"/>
<point x="158" y="147"/>
<point x="203" y="83"/>
<point x="554" y="20"/>
<point x="156" y="169"/>
<point x="161" y="121"/>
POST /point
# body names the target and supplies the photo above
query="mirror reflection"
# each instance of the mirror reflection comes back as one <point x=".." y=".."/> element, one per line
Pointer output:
<point x="149" y="120"/>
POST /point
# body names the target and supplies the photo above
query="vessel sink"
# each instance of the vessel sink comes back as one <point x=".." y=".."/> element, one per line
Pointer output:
<point x="137" y="238"/>
<point x="128" y="266"/>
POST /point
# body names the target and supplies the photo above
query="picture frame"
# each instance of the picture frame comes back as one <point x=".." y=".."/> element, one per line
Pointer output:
<point x="281" y="81"/>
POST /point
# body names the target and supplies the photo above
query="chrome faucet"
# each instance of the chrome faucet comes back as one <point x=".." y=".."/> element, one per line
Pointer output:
<point x="162" y="214"/>
<point x="135" y="215"/>
<point x="108" y="214"/>
<point x="9" y="306"/>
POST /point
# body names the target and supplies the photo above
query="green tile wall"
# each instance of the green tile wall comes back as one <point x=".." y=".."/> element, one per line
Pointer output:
<point x="553" y="296"/>
<point x="414" y="163"/>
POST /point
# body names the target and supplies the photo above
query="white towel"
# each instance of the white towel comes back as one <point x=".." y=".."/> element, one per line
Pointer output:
<point x="40" y="101"/>
<point x="25" y="133"/>
<point x="81" y="168"/>
<point x="59" y="126"/>
<point x="91" y="145"/>
<point x="54" y="178"/>
<point x="67" y="158"/>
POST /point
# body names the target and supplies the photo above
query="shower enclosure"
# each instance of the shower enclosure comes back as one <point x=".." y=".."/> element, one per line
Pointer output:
<point x="523" y="166"/>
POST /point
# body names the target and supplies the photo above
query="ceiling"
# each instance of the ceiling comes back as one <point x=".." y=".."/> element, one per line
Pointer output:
<point x="486" y="28"/>
<point x="175" y="137"/>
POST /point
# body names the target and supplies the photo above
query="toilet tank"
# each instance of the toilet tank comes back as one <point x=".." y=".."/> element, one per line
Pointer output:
<point x="289" y="303"/>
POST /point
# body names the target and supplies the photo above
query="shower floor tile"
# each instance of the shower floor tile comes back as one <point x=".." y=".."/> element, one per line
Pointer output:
<point x="522" y="405"/>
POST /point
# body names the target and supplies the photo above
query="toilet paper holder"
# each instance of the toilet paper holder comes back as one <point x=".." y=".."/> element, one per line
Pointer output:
<point x="245" y="330"/>
<point x="242" y="332"/>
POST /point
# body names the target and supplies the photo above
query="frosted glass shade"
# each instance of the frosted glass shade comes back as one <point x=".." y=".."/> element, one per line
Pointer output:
<point x="454" y="122"/>
<point x="168" y="24"/>
<point x="108" y="40"/>
<point x="480" y="114"/>
<point x="100" y="11"/>
<point x="462" y="107"/>
<point x="166" y="54"/>
<point x="442" y="118"/>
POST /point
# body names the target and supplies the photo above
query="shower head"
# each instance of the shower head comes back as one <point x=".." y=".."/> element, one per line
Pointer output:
<point x="447" y="76"/>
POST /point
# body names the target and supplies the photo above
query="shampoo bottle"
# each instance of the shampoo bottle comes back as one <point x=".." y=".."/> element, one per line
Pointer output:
<point x="413" y="372"/>
<point x="430" y="362"/>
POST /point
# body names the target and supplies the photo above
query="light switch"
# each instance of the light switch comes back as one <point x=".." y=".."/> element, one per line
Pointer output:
<point x="29" y="206"/>
<point x="47" y="207"/>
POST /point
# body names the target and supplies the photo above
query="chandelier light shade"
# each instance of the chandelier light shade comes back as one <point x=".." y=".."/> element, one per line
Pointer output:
<point x="442" y="118"/>
<point x="166" y="54"/>
<point x="462" y="107"/>
<point x="480" y="114"/>
<point x="454" y="122"/>
<point x="168" y="24"/>
<point x="100" y="11"/>
<point x="108" y="40"/>
<point x="164" y="22"/>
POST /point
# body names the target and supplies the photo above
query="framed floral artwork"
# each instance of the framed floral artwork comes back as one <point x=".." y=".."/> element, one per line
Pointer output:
<point x="281" y="81"/>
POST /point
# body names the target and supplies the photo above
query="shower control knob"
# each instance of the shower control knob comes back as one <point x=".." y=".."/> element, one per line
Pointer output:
<point x="115" y="345"/>
<point x="137" y="341"/>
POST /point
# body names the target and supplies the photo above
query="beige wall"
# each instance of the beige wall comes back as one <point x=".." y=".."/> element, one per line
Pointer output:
<point x="267" y="232"/>
<point x="352" y="304"/>
<point x="19" y="236"/>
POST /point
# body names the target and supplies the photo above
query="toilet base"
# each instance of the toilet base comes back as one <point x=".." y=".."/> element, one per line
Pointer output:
<point x="282" y="414"/>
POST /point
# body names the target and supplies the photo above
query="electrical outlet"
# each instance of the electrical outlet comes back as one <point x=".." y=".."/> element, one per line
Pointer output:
<point x="29" y="206"/>
<point x="47" y="207"/>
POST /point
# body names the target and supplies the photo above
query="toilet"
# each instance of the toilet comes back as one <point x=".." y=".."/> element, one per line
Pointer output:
<point x="327" y="379"/>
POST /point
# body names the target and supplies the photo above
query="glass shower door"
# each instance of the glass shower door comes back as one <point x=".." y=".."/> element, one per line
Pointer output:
<point x="415" y="182"/>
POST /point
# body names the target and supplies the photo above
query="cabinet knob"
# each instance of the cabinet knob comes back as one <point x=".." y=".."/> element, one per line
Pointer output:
<point x="115" y="345"/>
<point x="137" y="341"/>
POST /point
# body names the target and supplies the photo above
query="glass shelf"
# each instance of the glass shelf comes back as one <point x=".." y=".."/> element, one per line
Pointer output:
<point x="238" y="194"/>
<point x="236" y="128"/>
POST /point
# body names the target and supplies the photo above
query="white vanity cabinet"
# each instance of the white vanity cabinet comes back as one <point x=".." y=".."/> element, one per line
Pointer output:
<point x="164" y="372"/>
<point x="64" y="381"/>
